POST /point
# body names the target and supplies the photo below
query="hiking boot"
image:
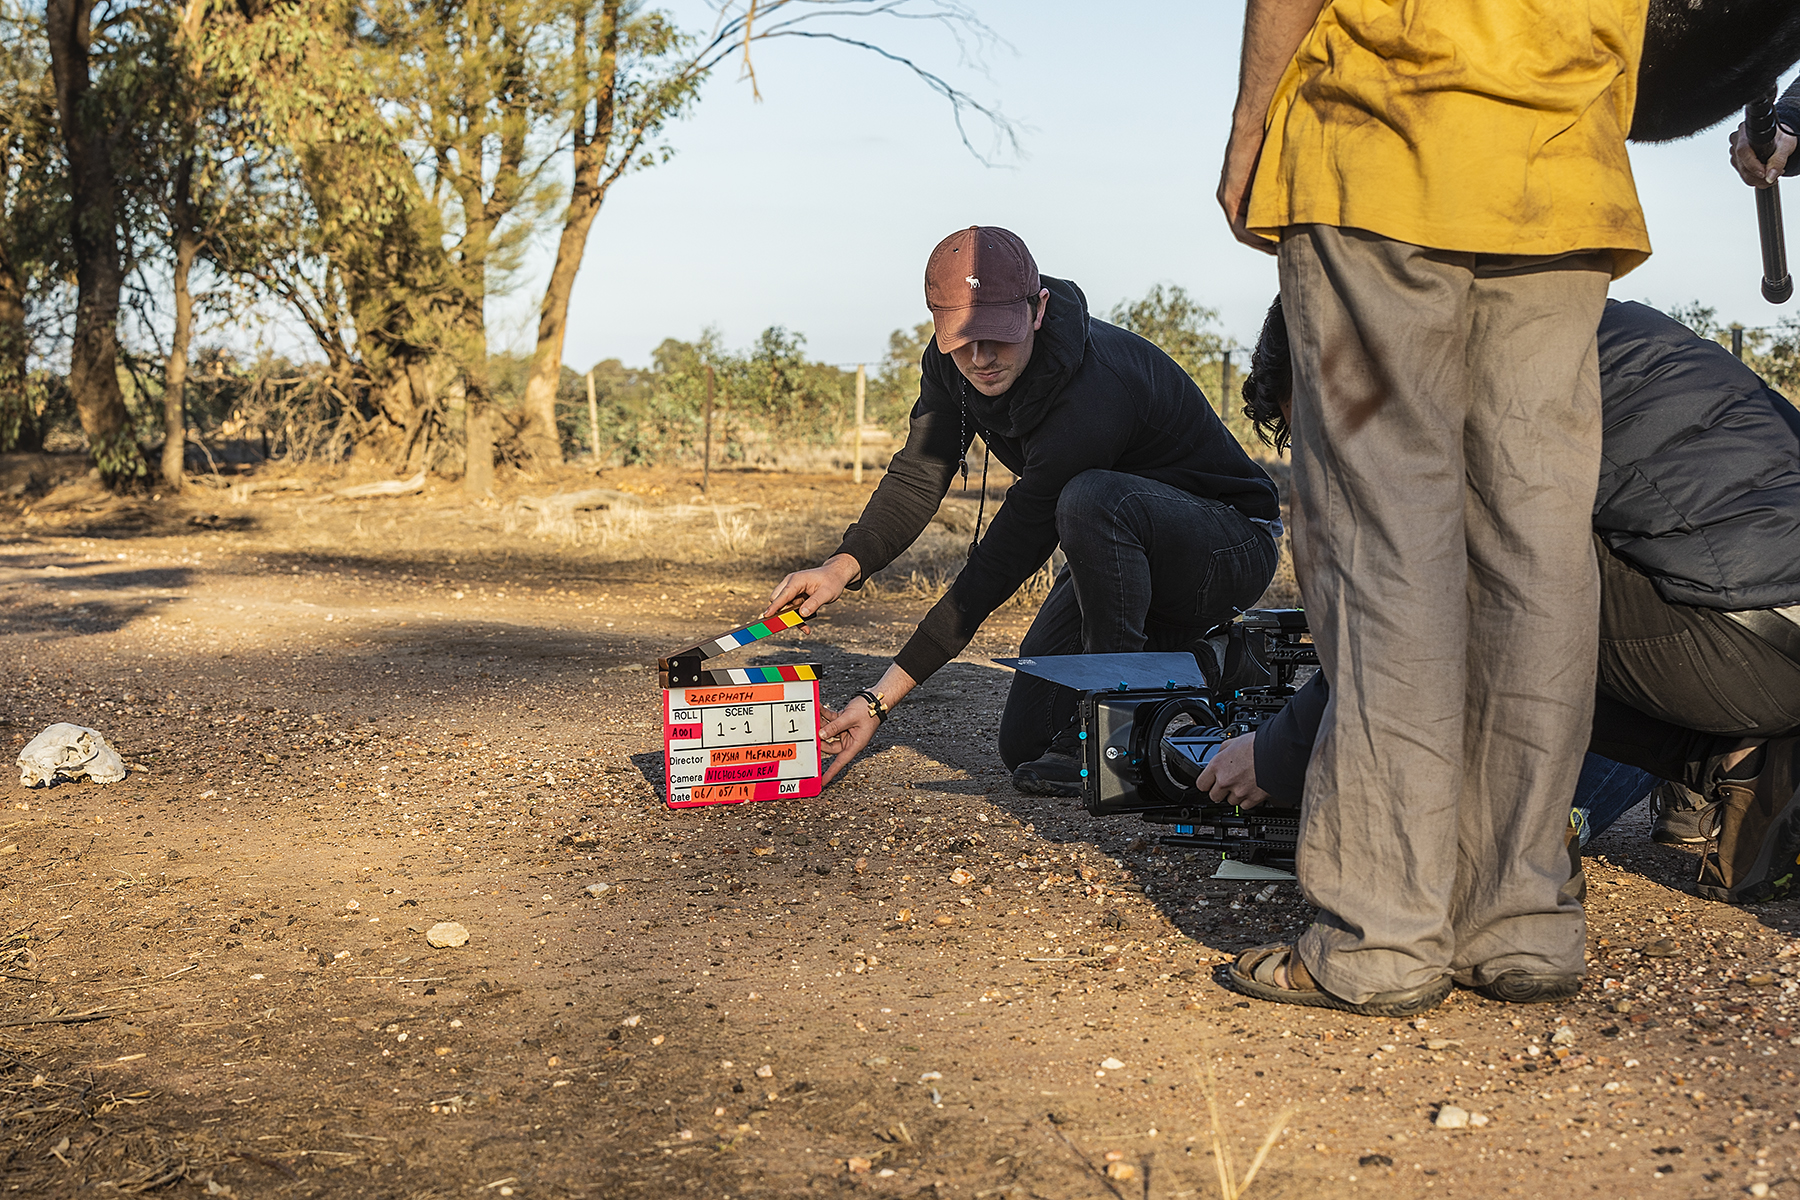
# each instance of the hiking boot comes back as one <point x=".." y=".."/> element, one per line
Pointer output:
<point x="1683" y="817"/>
<point x="1758" y="853"/>
<point x="1055" y="772"/>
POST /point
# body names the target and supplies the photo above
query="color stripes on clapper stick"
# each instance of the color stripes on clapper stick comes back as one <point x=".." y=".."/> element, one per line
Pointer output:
<point x="740" y="675"/>
<point x="683" y="669"/>
<point x="756" y="631"/>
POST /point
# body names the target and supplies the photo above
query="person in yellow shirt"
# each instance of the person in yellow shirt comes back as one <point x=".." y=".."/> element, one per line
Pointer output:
<point x="1447" y="189"/>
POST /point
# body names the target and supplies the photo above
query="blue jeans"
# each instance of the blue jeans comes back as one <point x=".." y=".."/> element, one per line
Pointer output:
<point x="1605" y="791"/>
<point x="1151" y="567"/>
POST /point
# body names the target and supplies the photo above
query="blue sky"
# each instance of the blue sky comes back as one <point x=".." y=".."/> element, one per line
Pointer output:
<point x="815" y="208"/>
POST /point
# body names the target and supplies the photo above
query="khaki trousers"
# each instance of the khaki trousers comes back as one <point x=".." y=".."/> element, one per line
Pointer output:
<point x="1446" y="455"/>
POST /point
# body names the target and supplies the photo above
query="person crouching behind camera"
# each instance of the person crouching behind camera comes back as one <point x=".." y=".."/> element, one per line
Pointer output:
<point x="1697" y="527"/>
<point x="1168" y="526"/>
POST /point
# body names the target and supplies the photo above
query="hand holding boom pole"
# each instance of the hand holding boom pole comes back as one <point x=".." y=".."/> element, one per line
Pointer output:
<point x="1759" y="127"/>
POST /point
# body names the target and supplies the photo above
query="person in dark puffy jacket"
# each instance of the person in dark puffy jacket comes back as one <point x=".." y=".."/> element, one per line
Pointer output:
<point x="1697" y="527"/>
<point x="1168" y="526"/>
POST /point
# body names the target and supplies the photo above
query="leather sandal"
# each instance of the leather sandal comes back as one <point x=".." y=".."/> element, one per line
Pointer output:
<point x="1255" y="974"/>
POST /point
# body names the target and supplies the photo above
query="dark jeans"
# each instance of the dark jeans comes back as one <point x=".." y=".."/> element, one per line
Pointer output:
<point x="1679" y="686"/>
<point x="1150" y="568"/>
<point x="1605" y="792"/>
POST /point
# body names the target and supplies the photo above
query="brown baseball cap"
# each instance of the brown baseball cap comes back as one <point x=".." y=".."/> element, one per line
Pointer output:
<point x="977" y="282"/>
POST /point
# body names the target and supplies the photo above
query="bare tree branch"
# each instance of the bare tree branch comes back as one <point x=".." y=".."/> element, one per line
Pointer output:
<point x="1006" y="135"/>
<point x="749" y="67"/>
<point x="734" y="33"/>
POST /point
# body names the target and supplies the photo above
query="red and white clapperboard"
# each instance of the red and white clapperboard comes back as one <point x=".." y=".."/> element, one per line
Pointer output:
<point x="739" y="733"/>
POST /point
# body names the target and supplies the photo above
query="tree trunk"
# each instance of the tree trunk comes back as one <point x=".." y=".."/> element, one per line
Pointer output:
<point x="478" y="453"/>
<point x="425" y="378"/>
<point x="94" y="243"/>
<point x="18" y="422"/>
<point x="539" y="435"/>
<point x="478" y="413"/>
<point x="585" y="197"/>
<point x="187" y="247"/>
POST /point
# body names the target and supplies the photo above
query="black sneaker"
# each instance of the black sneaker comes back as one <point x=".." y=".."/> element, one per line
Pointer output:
<point x="1056" y="772"/>
<point x="1683" y="817"/>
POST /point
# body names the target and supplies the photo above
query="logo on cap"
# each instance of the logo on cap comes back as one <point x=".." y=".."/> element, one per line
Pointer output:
<point x="978" y="284"/>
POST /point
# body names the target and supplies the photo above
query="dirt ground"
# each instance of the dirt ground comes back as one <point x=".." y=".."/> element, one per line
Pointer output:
<point x="351" y="719"/>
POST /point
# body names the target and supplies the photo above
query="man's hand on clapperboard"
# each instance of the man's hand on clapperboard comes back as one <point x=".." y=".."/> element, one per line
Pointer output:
<point x="845" y="734"/>
<point x="809" y="591"/>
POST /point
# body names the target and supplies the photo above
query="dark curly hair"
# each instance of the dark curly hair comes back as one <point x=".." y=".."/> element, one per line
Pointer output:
<point x="1271" y="379"/>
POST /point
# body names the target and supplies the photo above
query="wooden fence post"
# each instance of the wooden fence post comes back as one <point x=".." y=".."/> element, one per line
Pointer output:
<point x="861" y="387"/>
<point x="706" y="453"/>
<point x="593" y="421"/>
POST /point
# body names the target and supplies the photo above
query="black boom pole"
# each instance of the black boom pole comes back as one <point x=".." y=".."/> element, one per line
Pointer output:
<point x="1759" y="125"/>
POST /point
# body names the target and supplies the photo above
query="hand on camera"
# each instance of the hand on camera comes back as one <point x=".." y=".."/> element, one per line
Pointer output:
<point x="1230" y="778"/>
<point x="845" y="734"/>
<point x="811" y="590"/>
<point x="1751" y="169"/>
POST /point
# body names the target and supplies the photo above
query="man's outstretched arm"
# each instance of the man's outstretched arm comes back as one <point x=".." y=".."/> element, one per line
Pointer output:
<point x="1273" y="30"/>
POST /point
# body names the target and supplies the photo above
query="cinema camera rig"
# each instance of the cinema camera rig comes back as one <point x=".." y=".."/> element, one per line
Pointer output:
<point x="1142" y="749"/>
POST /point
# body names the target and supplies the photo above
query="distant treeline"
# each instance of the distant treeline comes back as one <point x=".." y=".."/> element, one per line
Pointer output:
<point x="772" y="396"/>
<point x="769" y="400"/>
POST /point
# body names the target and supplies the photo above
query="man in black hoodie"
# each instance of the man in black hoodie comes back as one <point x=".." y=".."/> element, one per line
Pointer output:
<point x="1168" y="526"/>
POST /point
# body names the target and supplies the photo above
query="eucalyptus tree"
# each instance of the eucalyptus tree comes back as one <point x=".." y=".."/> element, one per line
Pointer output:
<point x="194" y="139"/>
<point x="332" y="217"/>
<point x="463" y="82"/>
<point x="1188" y="332"/>
<point x="628" y="71"/>
<point x="32" y="211"/>
<point x="94" y="47"/>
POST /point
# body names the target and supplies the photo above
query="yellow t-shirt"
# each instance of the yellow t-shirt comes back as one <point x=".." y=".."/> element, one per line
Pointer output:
<point x="1491" y="126"/>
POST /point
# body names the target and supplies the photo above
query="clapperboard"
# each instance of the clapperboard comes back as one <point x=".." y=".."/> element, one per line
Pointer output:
<point x="739" y="733"/>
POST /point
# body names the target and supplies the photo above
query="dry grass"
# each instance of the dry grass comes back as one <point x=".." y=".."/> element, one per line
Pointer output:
<point x="1230" y="1186"/>
<point x="736" y="536"/>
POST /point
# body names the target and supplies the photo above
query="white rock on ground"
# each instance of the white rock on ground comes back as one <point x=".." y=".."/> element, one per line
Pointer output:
<point x="447" y="934"/>
<point x="1452" y="1117"/>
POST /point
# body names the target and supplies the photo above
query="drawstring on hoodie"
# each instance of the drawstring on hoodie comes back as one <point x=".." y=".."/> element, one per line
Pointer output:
<point x="981" y="508"/>
<point x="962" y="464"/>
